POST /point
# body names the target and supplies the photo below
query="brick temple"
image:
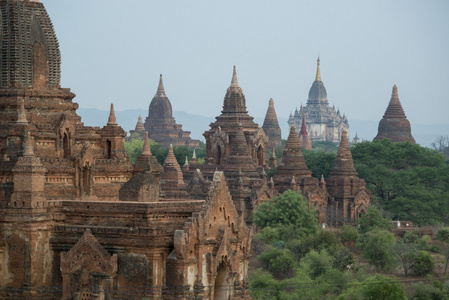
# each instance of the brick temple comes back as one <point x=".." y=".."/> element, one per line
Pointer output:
<point x="79" y="221"/>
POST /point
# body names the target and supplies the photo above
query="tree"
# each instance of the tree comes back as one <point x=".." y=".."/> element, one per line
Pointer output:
<point x="280" y="263"/>
<point x="373" y="288"/>
<point x="320" y="163"/>
<point x="445" y="252"/>
<point x="423" y="264"/>
<point x="408" y="181"/>
<point x="406" y="253"/>
<point x="443" y="235"/>
<point x="377" y="248"/>
<point x="373" y="219"/>
<point x="441" y="144"/>
<point x="317" y="263"/>
<point x="288" y="212"/>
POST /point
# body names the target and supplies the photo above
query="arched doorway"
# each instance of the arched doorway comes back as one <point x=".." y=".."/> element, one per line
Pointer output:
<point x="222" y="286"/>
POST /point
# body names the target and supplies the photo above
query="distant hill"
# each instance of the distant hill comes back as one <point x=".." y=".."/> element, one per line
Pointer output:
<point x="196" y="124"/>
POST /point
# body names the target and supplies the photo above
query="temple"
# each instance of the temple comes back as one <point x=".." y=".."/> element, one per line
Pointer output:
<point x="161" y="125"/>
<point x="79" y="221"/>
<point x="271" y="126"/>
<point x="322" y="121"/>
<point x="394" y="124"/>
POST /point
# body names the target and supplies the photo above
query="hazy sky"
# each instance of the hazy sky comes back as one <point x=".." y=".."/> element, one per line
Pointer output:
<point x="114" y="51"/>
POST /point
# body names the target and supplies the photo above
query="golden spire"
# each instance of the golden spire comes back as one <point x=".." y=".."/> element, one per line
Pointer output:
<point x="318" y="75"/>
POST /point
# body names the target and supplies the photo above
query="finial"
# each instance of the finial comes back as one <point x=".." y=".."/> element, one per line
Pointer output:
<point x="274" y="153"/>
<point x="194" y="154"/>
<point x="22" y="117"/>
<point x="112" y="120"/>
<point x="160" y="88"/>
<point x="394" y="94"/>
<point x="322" y="178"/>
<point x="318" y="75"/>
<point x="146" y="151"/>
<point x="28" y="145"/>
<point x="234" y="81"/>
<point x="186" y="162"/>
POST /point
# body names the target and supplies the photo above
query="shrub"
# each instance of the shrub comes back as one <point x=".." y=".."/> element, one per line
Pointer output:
<point x="373" y="288"/>
<point x="280" y="263"/>
<point x="317" y="263"/>
<point x="410" y="237"/>
<point x="348" y="233"/>
<point x="443" y="235"/>
<point x="373" y="219"/>
<point x="423" y="264"/>
<point x="377" y="246"/>
<point x="343" y="258"/>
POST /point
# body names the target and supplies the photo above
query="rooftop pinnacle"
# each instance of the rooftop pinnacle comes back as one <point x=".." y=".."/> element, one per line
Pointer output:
<point x="22" y="118"/>
<point x="303" y="126"/>
<point x="318" y="75"/>
<point x="112" y="120"/>
<point x="160" y="88"/>
<point x="344" y="164"/>
<point x="146" y="151"/>
<point x="234" y="82"/>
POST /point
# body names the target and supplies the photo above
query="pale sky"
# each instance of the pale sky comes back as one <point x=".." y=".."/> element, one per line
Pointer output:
<point x="114" y="51"/>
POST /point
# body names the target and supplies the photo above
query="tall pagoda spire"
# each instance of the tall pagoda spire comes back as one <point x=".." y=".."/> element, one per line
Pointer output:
<point x="146" y="151"/>
<point x="304" y="139"/>
<point x="234" y="82"/>
<point x="394" y="124"/>
<point x="172" y="181"/>
<point x="271" y="126"/>
<point x="318" y="75"/>
<point x="344" y="165"/>
<point x="139" y="125"/>
<point x="112" y="120"/>
<point x="160" y="89"/>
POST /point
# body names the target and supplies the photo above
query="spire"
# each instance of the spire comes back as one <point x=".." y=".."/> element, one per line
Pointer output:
<point x="112" y="120"/>
<point x="22" y="117"/>
<point x="186" y="163"/>
<point x="139" y="125"/>
<point x="318" y="75"/>
<point x="194" y="154"/>
<point x="303" y="126"/>
<point x="160" y="88"/>
<point x="271" y="118"/>
<point x="172" y="181"/>
<point x="344" y="165"/>
<point x="394" y="109"/>
<point x="146" y="146"/>
<point x="234" y="82"/>
<point x="28" y="149"/>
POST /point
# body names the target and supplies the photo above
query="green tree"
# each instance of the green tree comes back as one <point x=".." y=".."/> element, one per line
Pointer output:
<point x="423" y="264"/>
<point x="325" y="146"/>
<point x="406" y="254"/>
<point x="374" y="288"/>
<point x="443" y="235"/>
<point x="279" y="262"/>
<point x="377" y="248"/>
<point x="287" y="212"/>
<point x="320" y="163"/>
<point x="409" y="181"/>
<point x="373" y="219"/>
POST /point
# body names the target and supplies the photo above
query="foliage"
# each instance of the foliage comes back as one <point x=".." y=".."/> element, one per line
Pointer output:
<point x="280" y="263"/>
<point x="323" y="240"/>
<point x="134" y="147"/>
<point x="445" y="252"/>
<point x="372" y="219"/>
<point x="317" y="263"/>
<point x="409" y="181"/>
<point x="320" y="163"/>
<point x="411" y="237"/>
<point x="406" y="254"/>
<point x="348" y="233"/>
<point x="422" y="291"/>
<point x="441" y="144"/>
<point x="373" y="288"/>
<point x="287" y="211"/>
<point x="377" y="248"/>
<point x="443" y="235"/>
<point x="264" y="287"/>
<point x="423" y="264"/>
<point x="268" y="235"/>
<point x="343" y="258"/>
<point x="325" y="146"/>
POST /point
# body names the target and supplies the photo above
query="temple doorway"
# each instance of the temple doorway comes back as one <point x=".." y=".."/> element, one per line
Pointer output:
<point x="222" y="286"/>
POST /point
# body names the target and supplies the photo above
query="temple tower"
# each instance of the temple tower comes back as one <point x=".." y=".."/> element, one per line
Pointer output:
<point x="221" y="135"/>
<point x="304" y="139"/>
<point x="394" y="124"/>
<point x="160" y="124"/>
<point x="349" y="196"/>
<point x="271" y="126"/>
<point x="323" y="122"/>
